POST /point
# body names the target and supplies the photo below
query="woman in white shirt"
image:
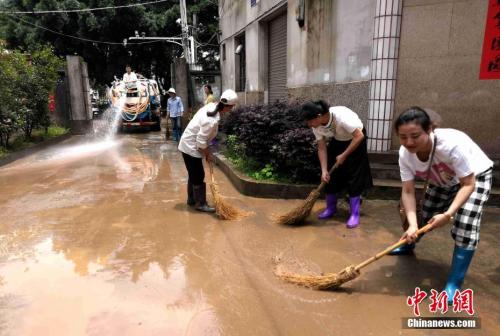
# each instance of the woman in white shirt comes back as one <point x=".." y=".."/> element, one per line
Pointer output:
<point x="194" y="146"/>
<point x="341" y="140"/>
<point x="460" y="178"/>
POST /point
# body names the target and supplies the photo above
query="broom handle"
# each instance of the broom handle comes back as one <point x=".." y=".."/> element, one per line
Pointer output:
<point x="323" y="183"/>
<point x="390" y="248"/>
<point x="210" y="164"/>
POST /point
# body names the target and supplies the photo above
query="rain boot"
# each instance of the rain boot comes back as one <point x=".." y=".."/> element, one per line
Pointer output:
<point x="200" y="196"/>
<point x="355" y="204"/>
<point x="403" y="249"/>
<point x="459" y="265"/>
<point x="191" y="200"/>
<point x="331" y="207"/>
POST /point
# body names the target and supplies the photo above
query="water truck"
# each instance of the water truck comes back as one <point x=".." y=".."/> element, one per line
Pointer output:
<point x="138" y="102"/>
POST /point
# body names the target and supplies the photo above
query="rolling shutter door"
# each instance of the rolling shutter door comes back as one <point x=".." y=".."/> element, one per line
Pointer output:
<point x="277" y="59"/>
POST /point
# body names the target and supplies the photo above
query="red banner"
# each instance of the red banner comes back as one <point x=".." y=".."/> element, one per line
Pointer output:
<point x="52" y="103"/>
<point x="490" y="62"/>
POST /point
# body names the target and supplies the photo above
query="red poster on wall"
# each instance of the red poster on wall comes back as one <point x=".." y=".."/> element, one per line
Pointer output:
<point x="490" y="62"/>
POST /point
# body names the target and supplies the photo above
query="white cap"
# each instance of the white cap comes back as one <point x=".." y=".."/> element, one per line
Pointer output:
<point x="229" y="97"/>
<point x="171" y="90"/>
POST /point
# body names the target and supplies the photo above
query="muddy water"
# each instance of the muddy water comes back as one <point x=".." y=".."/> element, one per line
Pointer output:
<point x="99" y="241"/>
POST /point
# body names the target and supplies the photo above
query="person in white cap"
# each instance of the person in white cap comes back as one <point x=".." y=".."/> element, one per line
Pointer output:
<point x="194" y="147"/>
<point x="175" y="110"/>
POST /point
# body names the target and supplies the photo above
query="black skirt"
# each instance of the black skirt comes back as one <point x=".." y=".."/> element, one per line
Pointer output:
<point x="354" y="175"/>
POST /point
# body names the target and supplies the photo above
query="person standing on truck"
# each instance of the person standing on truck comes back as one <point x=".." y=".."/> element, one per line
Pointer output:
<point x="129" y="77"/>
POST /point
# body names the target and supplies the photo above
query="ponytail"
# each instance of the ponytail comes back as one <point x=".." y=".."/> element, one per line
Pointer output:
<point x="218" y="108"/>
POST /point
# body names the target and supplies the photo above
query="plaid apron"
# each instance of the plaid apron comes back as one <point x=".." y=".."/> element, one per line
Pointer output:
<point x="467" y="220"/>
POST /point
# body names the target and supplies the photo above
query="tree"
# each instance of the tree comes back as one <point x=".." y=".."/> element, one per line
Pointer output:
<point x="26" y="81"/>
<point x="112" y="25"/>
<point x="10" y="119"/>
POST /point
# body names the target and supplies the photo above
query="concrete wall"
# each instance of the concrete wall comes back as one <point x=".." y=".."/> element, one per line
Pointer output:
<point x="81" y="115"/>
<point x="354" y="95"/>
<point x="181" y="87"/>
<point x="333" y="47"/>
<point x="440" y="54"/>
<point x="237" y="17"/>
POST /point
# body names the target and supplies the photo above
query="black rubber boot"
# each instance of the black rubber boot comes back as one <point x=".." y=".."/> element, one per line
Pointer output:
<point x="190" y="201"/>
<point x="200" y="196"/>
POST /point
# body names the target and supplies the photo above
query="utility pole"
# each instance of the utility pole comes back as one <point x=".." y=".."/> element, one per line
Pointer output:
<point x="193" y="37"/>
<point x="185" y="32"/>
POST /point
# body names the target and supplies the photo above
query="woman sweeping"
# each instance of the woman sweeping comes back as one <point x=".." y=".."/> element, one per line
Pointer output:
<point x="341" y="140"/>
<point x="194" y="147"/>
<point x="460" y="176"/>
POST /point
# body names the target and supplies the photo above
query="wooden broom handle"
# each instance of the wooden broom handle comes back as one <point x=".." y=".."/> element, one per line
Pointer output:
<point x="323" y="183"/>
<point x="211" y="165"/>
<point x="390" y="248"/>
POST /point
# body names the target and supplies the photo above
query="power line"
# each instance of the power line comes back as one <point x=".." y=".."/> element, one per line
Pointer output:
<point x="83" y="9"/>
<point x="75" y="37"/>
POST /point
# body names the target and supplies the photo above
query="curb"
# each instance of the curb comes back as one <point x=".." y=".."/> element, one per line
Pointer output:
<point x="382" y="189"/>
<point x="33" y="149"/>
<point x="263" y="189"/>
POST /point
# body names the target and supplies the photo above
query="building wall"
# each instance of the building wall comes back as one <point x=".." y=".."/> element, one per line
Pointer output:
<point x="329" y="58"/>
<point x="237" y="17"/>
<point x="334" y="46"/>
<point x="353" y="95"/>
<point x="439" y="59"/>
<point x="326" y="55"/>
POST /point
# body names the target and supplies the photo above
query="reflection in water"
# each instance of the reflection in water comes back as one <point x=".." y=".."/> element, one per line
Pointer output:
<point x="106" y="305"/>
<point x="92" y="226"/>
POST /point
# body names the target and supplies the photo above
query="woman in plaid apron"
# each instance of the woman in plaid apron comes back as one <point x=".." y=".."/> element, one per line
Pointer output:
<point x="460" y="176"/>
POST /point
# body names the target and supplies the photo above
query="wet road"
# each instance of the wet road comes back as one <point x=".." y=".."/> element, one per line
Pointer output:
<point x="97" y="240"/>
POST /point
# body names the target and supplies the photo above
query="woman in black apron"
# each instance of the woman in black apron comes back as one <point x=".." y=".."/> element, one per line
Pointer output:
<point x="341" y="140"/>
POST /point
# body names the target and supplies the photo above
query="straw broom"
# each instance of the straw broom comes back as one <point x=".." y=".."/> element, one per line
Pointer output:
<point x="332" y="280"/>
<point x="223" y="209"/>
<point x="299" y="214"/>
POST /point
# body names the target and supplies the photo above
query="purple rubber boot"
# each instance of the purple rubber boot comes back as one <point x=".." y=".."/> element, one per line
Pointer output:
<point x="331" y="207"/>
<point x="355" y="203"/>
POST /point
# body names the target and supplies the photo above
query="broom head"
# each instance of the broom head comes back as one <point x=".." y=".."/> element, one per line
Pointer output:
<point x="223" y="209"/>
<point x="298" y="215"/>
<point x="328" y="281"/>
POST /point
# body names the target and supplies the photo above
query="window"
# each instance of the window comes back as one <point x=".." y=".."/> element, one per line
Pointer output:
<point x="240" y="63"/>
<point x="223" y="51"/>
<point x="253" y="3"/>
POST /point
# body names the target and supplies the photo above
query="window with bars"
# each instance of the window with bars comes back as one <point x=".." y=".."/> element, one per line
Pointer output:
<point x="241" y="72"/>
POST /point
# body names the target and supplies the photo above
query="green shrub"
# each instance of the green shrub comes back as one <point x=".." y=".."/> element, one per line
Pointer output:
<point x="274" y="136"/>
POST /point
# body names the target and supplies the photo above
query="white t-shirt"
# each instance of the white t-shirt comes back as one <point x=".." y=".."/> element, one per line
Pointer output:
<point x="200" y="131"/>
<point x="343" y="121"/>
<point x="456" y="156"/>
<point x="129" y="78"/>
